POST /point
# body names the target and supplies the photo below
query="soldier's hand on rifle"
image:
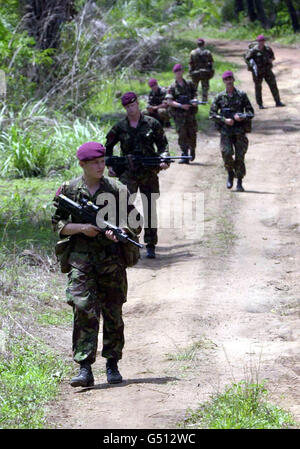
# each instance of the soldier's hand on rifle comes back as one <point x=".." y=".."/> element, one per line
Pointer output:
<point x="164" y="166"/>
<point x="186" y="107"/>
<point x="89" y="230"/>
<point x="111" y="236"/>
<point x="111" y="171"/>
<point x="238" y="118"/>
<point x="229" y="121"/>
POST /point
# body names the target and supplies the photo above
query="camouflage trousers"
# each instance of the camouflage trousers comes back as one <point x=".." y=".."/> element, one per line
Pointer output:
<point x="270" y="79"/>
<point x="204" y="86"/>
<point x="186" y="128"/>
<point x="92" y="295"/>
<point x="161" y="114"/>
<point x="234" y="145"/>
<point x="148" y="186"/>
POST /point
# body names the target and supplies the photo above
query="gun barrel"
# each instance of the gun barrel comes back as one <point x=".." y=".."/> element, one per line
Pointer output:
<point x="81" y="210"/>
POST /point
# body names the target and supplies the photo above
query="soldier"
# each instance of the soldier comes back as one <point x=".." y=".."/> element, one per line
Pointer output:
<point x="260" y="59"/>
<point x="201" y="67"/>
<point x="138" y="134"/>
<point x="232" y="111"/>
<point x="179" y="97"/>
<point x="157" y="106"/>
<point x="97" y="273"/>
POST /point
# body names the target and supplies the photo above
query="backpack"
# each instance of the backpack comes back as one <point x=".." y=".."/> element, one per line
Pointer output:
<point x="250" y="46"/>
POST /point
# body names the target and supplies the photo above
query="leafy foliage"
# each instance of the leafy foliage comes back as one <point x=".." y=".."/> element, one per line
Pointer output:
<point x="29" y="379"/>
<point x="242" y="406"/>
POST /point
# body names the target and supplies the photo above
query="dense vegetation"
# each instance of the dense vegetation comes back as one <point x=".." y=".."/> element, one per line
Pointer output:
<point x="63" y="67"/>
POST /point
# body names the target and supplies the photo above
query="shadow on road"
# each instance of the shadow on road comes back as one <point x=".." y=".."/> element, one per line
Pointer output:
<point x="125" y="383"/>
<point x="255" y="191"/>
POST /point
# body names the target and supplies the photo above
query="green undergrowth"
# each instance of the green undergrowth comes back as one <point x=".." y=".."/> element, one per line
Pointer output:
<point x="26" y="206"/>
<point x="242" y="405"/>
<point x="29" y="377"/>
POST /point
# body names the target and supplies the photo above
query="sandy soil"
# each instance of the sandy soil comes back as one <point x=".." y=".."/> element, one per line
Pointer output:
<point x="219" y="306"/>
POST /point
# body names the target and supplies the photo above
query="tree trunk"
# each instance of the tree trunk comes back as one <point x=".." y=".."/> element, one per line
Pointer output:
<point x="293" y="15"/>
<point x="238" y="6"/>
<point x="43" y="20"/>
<point x="261" y="15"/>
<point x="251" y="10"/>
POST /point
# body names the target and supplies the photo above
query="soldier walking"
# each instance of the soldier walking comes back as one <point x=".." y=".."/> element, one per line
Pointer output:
<point x="260" y="59"/>
<point x="232" y="112"/>
<point x="138" y="135"/>
<point x="201" y="67"/>
<point x="157" y="106"/>
<point x="97" y="282"/>
<point x="180" y="95"/>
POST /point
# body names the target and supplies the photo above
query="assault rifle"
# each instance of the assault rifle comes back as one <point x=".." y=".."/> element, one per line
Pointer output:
<point x="230" y="113"/>
<point x="134" y="162"/>
<point x="253" y="66"/>
<point x="86" y="212"/>
<point x="245" y="124"/>
<point x="184" y="99"/>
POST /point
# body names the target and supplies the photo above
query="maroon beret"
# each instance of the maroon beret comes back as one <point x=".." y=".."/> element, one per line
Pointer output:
<point x="261" y="37"/>
<point x="127" y="98"/>
<point x="226" y="74"/>
<point x="152" y="82"/>
<point x="200" y="40"/>
<point x="177" y="67"/>
<point x="90" y="150"/>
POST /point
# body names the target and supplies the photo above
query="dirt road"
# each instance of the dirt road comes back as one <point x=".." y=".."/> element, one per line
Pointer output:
<point x="222" y="306"/>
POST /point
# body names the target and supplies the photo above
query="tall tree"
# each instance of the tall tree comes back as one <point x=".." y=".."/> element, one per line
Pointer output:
<point x="293" y="15"/>
<point x="238" y="6"/>
<point x="251" y="10"/>
<point x="43" y="19"/>
<point x="261" y="15"/>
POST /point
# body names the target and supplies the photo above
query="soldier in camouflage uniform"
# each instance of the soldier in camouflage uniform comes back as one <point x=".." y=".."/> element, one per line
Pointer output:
<point x="179" y="95"/>
<point x="138" y="134"/>
<point x="201" y="67"/>
<point x="157" y="106"/>
<point x="263" y="57"/>
<point x="225" y="111"/>
<point x="97" y="281"/>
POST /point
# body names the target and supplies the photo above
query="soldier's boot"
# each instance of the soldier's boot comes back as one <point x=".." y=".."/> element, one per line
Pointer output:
<point x="279" y="104"/>
<point x="193" y="153"/>
<point x="261" y="106"/>
<point x="85" y="376"/>
<point x="184" y="161"/>
<point x="112" y="372"/>
<point x="239" y="186"/>
<point x="230" y="179"/>
<point x="150" y="251"/>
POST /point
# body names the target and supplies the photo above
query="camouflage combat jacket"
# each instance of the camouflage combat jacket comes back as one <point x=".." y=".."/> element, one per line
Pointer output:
<point x="86" y="253"/>
<point x="263" y="58"/>
<point x="200" y="59"/>
<point x="156" y="98"/>
<point x="176" y="92"/>
<point x="224" y="105"/>
<point x="147" y="139"/>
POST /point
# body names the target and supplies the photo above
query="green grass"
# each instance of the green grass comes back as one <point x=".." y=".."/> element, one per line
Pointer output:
<point x="242" y="406"/>
<point x="53" y="317"/>
<point x="30" y="377"/>
<point x="190" y="353"/>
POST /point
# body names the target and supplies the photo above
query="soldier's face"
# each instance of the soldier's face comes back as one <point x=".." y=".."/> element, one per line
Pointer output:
<point x="155" y="87"/>
<point x="261" y="44"/>
<point x="132" y="109"/>
<point x="93" y="169"/>
<point x="178" y="74"/>
<point x="228" y="81"/>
